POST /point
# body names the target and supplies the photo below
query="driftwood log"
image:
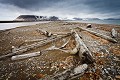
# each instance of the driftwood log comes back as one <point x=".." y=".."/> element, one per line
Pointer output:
<point x="32" y="46"/>
<point x="68" y="74"/>
<point x="100" y="35"/>
<point x="29" y="55"/>
<point x="83" y="50"/>
<point x="23" y="56"/>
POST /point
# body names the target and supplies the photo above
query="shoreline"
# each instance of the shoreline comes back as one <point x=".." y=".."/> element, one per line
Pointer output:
<point x="14" y="21"/>
<point x="18" y="21"/>
<point x="4" y="26"/>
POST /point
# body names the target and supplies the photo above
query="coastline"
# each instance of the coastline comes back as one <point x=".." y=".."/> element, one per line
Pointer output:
<point x="11" y="25"/>
<point x="17" y="21"/>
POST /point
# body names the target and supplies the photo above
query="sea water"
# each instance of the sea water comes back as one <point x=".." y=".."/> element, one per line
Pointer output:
<point x="4" y="26"/>
<point x="114" y="22"/>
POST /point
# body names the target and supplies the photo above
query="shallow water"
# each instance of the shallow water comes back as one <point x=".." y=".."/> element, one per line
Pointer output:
<point x="4" y="26"/>
<point x="114" y="22"/>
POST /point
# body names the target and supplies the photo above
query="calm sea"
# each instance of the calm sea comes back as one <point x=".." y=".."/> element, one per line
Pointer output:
<point x="114" y="22"/>
<point x="4" y="26"/>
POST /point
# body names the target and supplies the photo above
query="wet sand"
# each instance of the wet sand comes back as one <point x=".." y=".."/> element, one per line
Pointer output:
<point x="55" y="61"/>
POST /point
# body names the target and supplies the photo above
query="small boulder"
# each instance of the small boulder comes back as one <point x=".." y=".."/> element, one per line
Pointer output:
<point x="89" y="26"/>
<point x="113" y="33"/>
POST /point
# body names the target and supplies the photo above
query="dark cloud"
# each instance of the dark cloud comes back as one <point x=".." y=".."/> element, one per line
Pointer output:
<point x="30" y="4"/>
<point x="107" y="8"/>
<point x="104" y="5"/>
<point x="98" y="5"/>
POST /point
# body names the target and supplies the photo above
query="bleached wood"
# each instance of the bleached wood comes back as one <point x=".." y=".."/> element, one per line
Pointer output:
<point x="24" y="56"/>
<point x="82" y="48"/>
<point x="32" y="46"/>
<point x="99" y="35"/>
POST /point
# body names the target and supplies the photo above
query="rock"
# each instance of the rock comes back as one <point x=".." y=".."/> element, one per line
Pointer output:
<point x="118" y="76"/>
<point x="89" y="26"/>
<point x="80" y="69"/>
<point x="113" y="33"/>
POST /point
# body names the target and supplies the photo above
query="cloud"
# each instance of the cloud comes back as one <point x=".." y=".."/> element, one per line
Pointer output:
<point x="30" y="4"/>
<point x="63" y="8"/>
<point x="10" y="12"/>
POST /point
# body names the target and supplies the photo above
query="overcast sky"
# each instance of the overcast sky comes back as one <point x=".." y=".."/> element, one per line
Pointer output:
<point x="10" y="9"/>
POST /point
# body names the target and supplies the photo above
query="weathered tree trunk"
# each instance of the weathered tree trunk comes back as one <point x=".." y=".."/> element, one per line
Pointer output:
<point x="114" y="33"/>
<point x="83" y="50"/>
<point x="32" y="46"/>
<point x="23" y="56"/>
<point x="100" y="35"/>
<point x="68" y="74"/>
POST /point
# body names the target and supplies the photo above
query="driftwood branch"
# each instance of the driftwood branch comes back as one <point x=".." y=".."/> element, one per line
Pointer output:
<point x="64" y="44"/>
<point x="32" y="46"/>
<point x="68" y="74"/>
<point x="58" y="48"/>
<point x="100" y="35"/>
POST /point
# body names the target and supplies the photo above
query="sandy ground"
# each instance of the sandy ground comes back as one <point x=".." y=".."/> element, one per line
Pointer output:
<point x="106" y="54"/>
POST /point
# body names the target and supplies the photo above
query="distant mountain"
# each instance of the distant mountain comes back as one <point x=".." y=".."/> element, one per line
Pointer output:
<point x="26" y="18"/>
<point x="77" y="18"/>
<point x="36" y="18"/>
<point x="53" y="18"/>
<point x="91" y="19"/>
<point x="112" y="19"/>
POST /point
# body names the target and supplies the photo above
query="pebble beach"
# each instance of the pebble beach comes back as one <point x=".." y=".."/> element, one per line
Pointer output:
<point x="106" y="53"/>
